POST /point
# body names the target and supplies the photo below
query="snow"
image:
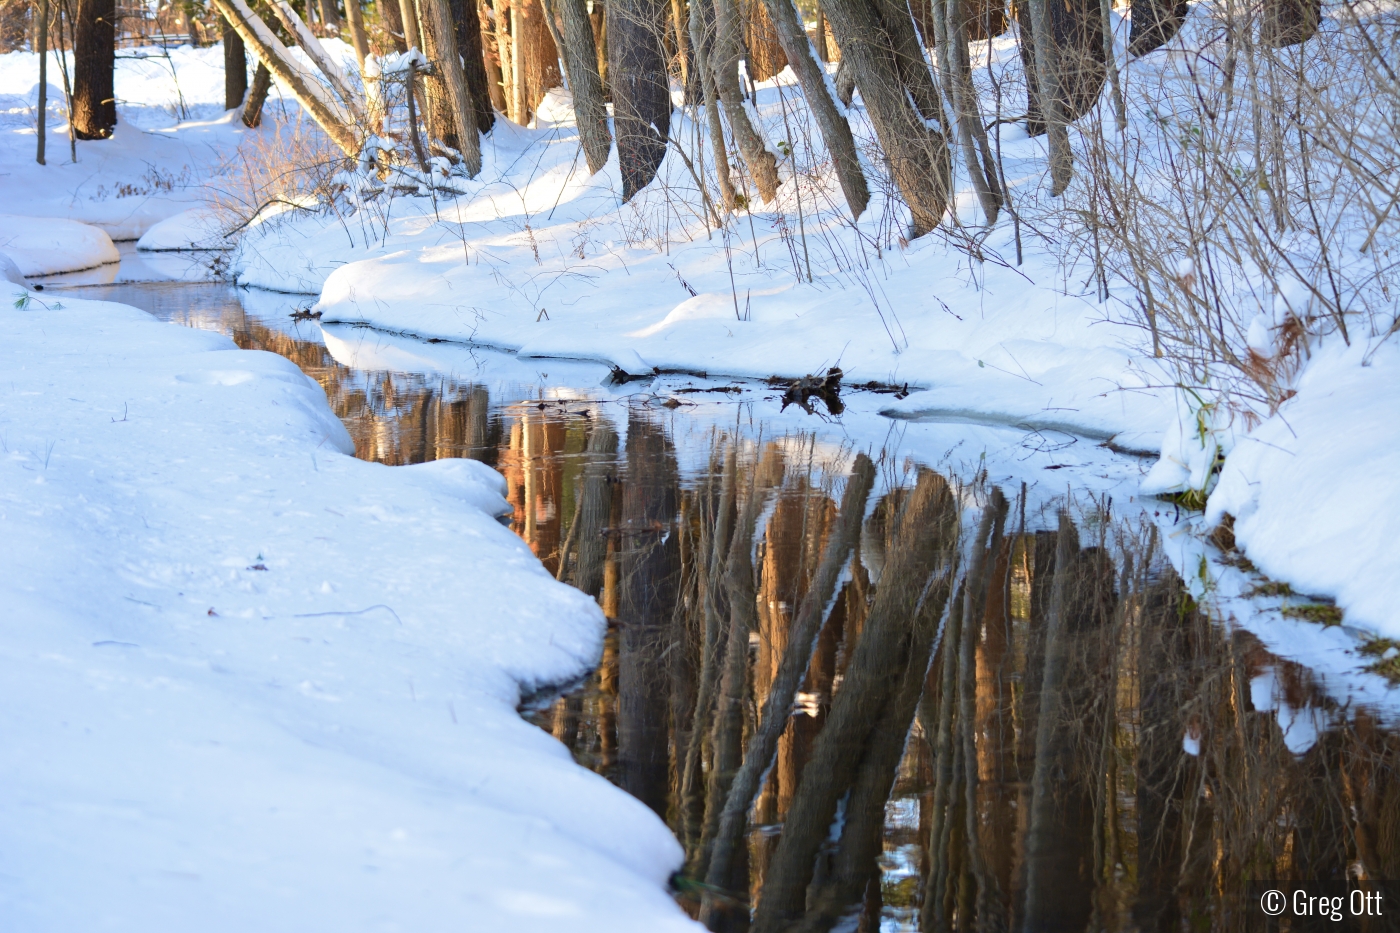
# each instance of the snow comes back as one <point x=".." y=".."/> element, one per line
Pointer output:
<point x="194" y="229"/>
<point x="42" y="246"/>
<point x="332" y="741"/>
<point x="1315" y="490"/>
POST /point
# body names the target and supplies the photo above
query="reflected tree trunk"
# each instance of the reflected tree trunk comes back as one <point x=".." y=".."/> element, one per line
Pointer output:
<point x="649" y="562"/>
<point x="916" y="580"/>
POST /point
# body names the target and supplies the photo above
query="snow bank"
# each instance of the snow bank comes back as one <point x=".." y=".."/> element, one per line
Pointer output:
<point x="256" y="684"/>
<point x="1315" y="490"/>
<point x="43" y="246"/>
<point x="196" y="228"/>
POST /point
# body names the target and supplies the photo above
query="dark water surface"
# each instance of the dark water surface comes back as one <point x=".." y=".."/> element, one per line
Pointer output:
<point x="999" y="706"/>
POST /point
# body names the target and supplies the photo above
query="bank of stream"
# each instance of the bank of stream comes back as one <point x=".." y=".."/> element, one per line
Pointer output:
<point x="878" y="675"/>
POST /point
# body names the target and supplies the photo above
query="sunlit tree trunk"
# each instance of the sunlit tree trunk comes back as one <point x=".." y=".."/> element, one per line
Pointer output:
<point x="330" y="17"/>
<point x="766" y="55"/>
<point x="702" y="44"/>
<point x="358" y="39"/>
<point x="391" y="18"/>
<point x="94" y="63"/>
<point x="41" y="47"/>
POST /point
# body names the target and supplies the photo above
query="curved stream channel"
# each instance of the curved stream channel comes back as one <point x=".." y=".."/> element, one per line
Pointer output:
<point x="1006" y="709"/>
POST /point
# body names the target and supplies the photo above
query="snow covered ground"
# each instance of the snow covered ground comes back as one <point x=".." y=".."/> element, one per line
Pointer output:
<point x="255" y="683"/>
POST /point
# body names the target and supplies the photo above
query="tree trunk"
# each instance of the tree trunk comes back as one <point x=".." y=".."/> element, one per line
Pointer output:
<point x="1289" y="22"/>
<point x="391" y="18"/>
<point x="724" y="61"/>
<point x="640" y="91"/>
<point x="972" y="136"/>
<point x="915" y="583"/>
<point x="581" y="63"/>
<point x="41" y="45"/>
<point x="702" y="42"/>
<point x="357" y="31"/>
<point x="408" y="15"/>
<point x="1048" y="92"/>
<point x="328" y="114"/>
<point x="304" y="37"/>
<point x="918" y="155"/>
<point x="909" y="57"/>
<point x="801" y="640"/>
<point x="1153" y="23"/>
<point x="94" y="62"/>
<point x="539" y="56"/>
<point x="451" y="111"/>
<point x="766" y="54"/>
<point x="235" y="67"/>
<point x="835" y="130"/>
<point x="330" y="17"/>
<point x="257" y="96"/>
<point x="469" y="44"/>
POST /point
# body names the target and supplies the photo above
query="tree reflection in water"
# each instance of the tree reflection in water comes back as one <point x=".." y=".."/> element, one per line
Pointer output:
<point x="1012" y="721"/>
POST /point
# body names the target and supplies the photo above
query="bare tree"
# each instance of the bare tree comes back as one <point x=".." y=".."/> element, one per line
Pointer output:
<point x="235" y="67"/>
<point x="469" y="44"/>
<point x="1153" y="24"/>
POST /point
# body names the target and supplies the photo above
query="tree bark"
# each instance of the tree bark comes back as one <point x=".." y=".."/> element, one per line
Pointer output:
<point x="257" y="96"/>
<point x="835" y="130"/>
<point x="581" y="63"/>
<point x="408" y="15"/>
<point x="94" y="62"/>
<point x="972" y="136"/>
<point x="791" y="670"/>
<point x="702" y="42"/>
<point x="724" y="61"/>
<point x="469" y="44"/>
<point x="41" y="45"/>
<point x="918" y="154"/>
<point x="452" y="113"/>
<point x="1289" y="22"/>
<point x="391" y="18"/>
<point x="330" y="17"/>
<point x="909" y="57"/>
<point x="327" y="113"/>
<point x="1047" y="88"/>
<point x="539" y="56"/>
<point x="766" y="54"/>
<point x="235" y="67"/>
<point x="357" y="31"/>
<point x="640" y="91"/>
<point x="1153" y="23"/>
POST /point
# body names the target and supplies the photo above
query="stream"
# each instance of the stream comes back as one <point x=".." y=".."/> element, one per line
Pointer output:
<point x="1006" y="710"/>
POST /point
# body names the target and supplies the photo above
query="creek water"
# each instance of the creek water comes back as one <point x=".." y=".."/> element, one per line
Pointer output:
<point x="997" y="705"/>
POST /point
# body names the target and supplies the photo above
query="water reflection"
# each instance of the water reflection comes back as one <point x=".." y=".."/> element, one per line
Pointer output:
<point x="869" y="695"/>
